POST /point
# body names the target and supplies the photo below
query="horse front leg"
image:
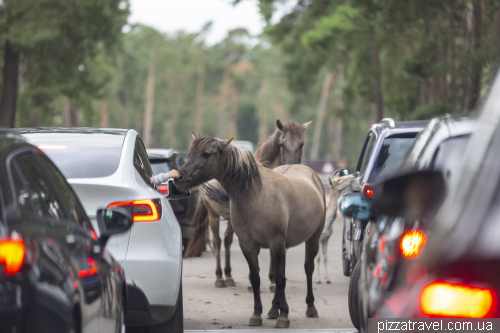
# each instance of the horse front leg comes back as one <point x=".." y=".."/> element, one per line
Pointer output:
<point x="214" y="226"/>
<point x="278" y="253"/>
<point x="272" y="275"/>
<point x="324" y="250"/>
<point x="318" y="261"/>
<point x="251" y="254"/>
<point x="312" y="248"/>
<point x="228" y="240"/>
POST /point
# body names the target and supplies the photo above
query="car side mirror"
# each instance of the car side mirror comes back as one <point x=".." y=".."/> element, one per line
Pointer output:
<point x="359" y="206"/>
<point x="174" y="193"/>
<point x="111" y="222"/>
<point x="357" y="174"/>
<point x="412" y="195"/>
<point x="340" y="173"/>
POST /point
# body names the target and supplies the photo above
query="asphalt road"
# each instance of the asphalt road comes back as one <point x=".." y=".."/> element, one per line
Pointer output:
<point x="210" y="308"/>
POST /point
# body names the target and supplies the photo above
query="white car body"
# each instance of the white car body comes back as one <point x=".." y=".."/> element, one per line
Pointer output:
<point x="151" y="252"/>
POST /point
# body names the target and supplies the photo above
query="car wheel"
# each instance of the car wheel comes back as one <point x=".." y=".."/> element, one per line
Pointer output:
<point x="353" y="300"/>
<point x="346" y="264"/>
<point x="176" y="323"/>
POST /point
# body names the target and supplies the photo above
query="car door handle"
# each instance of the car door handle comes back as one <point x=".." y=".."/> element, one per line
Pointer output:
<point x="70" y="239"/>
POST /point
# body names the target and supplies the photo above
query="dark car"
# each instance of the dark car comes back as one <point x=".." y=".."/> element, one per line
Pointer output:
<point x="385" y="146"/>
<point x="456" y="273"/>
<point x="390" y="241"/>
<point x="164" y="160"/>
<point x="55" y="273"/>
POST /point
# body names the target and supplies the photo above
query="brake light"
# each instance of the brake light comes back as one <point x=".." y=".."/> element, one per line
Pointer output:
<point x="412" y="243"/>
<point x="163" y="189"/>
<point x="454" y="300"/>
<point x="12" y="255"/>
<point x="141" y="210"/>
<point x="367" y="189"/>
<point x="87" y="272"/>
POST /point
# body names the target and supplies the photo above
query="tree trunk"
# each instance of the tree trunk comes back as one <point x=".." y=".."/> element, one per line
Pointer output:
<point x="477" y="68"/>
<point x="150" y="98"/>
<point x="377" y="80"/>
<point x="66" y="116"/>
<point x="104" y="113"/>
<point x="200" y="85"/>
<point x="263" y="112"/>
<point x="280" y="111"/>
<point x="73" y="116"/>
<point x="321" y="114"/>
<point x="224" y="95"/>
<point x="233" y="113"/>
<point x="338" y="139"/>
<point x="10" y="86"/>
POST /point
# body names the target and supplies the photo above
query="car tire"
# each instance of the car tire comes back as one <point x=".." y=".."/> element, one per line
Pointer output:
<point x="353" y="300"/>
<point x="176" y="323"/>
<point x="346" y="264"/>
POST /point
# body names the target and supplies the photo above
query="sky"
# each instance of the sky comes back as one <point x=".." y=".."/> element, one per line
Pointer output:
<point x="191" y="15"/>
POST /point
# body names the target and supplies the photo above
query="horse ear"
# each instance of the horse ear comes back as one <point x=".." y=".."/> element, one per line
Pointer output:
<point x="225" y="143"/>
<point x="306" y="125"/>
<point x="330" y="180"/>
<point x="279" y="124"/>
<point x="196" y="137"/>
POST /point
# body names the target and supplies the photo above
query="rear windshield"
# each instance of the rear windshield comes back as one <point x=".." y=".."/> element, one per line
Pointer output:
<point x="159" y="167"/>
<point x="83" y="160"/>
<point x="391" y="155"/>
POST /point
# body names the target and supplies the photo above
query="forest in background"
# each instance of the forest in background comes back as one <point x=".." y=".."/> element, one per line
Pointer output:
<point x="343" y="63"/>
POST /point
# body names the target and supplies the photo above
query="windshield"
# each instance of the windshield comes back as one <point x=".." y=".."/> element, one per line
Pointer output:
<point x="391" y="155"/>
<point x="83" y="160"/>
<point x="159" y="167"/>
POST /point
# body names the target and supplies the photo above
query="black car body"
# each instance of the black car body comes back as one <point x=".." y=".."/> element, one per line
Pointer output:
<point x="385" y="146"/>
<point x="438" y="147"/>
<point x="164" y="160"/>
<point x="55" y="273"/>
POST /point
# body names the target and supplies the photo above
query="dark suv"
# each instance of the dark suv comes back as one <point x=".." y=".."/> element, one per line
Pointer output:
<point x="385" y="147"/>
<point x="164" y="160"/>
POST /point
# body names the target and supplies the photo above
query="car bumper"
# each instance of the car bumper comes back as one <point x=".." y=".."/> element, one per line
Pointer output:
<point x="141" y="313"/>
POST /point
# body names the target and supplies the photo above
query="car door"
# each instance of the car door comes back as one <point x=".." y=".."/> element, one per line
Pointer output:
<point x="99" y="278"/>
<point x="72" y="245"/>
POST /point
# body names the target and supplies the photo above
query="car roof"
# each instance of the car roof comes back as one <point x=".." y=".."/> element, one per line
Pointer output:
<point x="159" y="153"/>
<point x="414" y="124"/>
<point x="87" y="135"/>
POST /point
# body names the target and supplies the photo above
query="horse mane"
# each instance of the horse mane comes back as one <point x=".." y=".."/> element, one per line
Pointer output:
<point x="268" y="151"/>
<point x="238" y="166"/>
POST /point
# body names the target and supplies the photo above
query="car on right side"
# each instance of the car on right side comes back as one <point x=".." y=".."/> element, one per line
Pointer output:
<point x="456" y="272"/>
<point x="392" y="240"/>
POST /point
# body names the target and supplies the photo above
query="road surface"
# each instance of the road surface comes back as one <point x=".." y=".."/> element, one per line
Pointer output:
<point x="210" y="308"/>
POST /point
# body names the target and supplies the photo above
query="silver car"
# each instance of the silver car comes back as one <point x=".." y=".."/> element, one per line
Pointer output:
<point x="109" y="168"/>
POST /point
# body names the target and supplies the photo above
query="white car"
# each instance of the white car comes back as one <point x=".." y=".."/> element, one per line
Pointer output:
<point x="109" y="168"/>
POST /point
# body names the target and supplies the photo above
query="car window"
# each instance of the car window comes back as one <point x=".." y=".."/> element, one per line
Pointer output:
<point x="21" y="194"/>
<point x="159" y="166"/>
<point x="75" y="210"/>
<point x="43" y="196"/>
<point x="367" y="152"/>
<point x="392" y="153"/>
<point x="84" y="160"/>
<point x="448" y="159"/>
<point x="141" y="162"/>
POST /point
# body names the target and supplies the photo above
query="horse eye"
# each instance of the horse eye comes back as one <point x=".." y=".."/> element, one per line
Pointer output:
<point x="205" y="155"/>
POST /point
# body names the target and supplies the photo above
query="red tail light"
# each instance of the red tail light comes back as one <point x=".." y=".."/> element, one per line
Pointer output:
<point x="141" y="210"/>
<point x="367" y="189"/>
<point x="163" y="189"/>
<point x="455" y="300"/>
<point x="412" y="243"/>
<point x="12" y="255"/>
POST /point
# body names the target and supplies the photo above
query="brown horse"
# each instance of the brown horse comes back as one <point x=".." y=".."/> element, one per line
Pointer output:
<point x="270" y="208"/>
<point x="284" y="146"/>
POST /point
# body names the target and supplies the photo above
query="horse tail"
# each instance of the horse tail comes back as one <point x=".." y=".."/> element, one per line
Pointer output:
<point x="217" y="194"/>
<point x="199" y="223"/>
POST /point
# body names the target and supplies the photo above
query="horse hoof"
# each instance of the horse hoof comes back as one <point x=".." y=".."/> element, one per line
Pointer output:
<point x="220" y="283"/>
<point x="255" y="321"/>
<point x="282" y="323"/>
<point x="250" y="289"/>
<point x="272" y="288"/>
<point x="230" y="282"/>
<point x="328" y="282"/>
<point x="273" y="314"/>
<point x="312" y="313"/>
